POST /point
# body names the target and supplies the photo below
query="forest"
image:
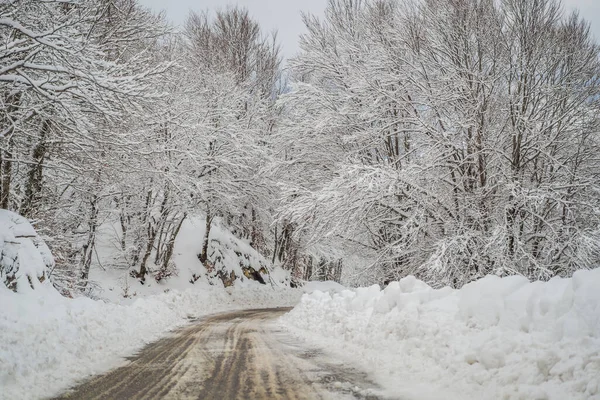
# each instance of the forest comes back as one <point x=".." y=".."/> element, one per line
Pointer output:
<point x="448" y="140"/>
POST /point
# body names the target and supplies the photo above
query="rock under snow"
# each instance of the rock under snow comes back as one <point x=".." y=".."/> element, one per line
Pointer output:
<point x="24" y="257"/>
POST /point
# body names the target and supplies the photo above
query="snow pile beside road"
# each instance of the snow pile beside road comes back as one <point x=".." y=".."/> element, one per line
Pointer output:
<point x="496" y="338"/>
<point x="322" y="286"/>
<point x="47" y="342"/>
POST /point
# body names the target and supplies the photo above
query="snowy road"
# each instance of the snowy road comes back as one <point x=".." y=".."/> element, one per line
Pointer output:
<point x="236" y="355"/>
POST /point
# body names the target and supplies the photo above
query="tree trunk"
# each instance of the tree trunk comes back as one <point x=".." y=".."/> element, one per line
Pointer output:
<point x="6" y="175"/>
<point x="88" y="248"/>
<point x="203" y="256"/>
<point x="162" y="222"/>
<point x="122" y="219"/>
<point x="275" y="249"/>
<point x="171" y="243"/>
<point x="255" y="241"/>
<point x="149" y="245"/>
<point x="138" y="239"/>
<point x="12" y="103"/>
<point x="35" y="174"/>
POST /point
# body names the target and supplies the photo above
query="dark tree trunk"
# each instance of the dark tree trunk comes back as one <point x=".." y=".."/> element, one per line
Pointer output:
<point x="6" y="173"/>
<point x="275" y="249"/>
<point x="88" y="248"/>
<point x="171" y="243"/>
<point x="122" y="219"/>
<point x="203" y="256"/>
<point x="138" y="240"/>
<point x="33" y="187"/>
<point x="162" y="235"/>
<point x="143" y="269"/>
<point x="12" y="104"/>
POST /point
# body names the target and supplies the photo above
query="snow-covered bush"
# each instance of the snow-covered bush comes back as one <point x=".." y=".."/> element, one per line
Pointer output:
<point x="24" y="257"/>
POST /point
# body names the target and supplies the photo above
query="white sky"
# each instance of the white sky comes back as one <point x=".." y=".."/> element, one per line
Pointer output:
<point x="284" y="15"/>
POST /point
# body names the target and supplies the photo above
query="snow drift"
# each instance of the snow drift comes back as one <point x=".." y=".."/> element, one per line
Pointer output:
<point x="496" y="338"/>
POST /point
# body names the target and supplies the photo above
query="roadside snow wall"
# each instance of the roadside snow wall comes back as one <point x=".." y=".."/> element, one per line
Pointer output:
<point x="24" y="257"/>
<point x="496" y="338"/>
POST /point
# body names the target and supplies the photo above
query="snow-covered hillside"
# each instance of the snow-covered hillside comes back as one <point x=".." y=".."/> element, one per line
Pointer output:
<point x="496" y="338"/>
<point x="228" y="256"/>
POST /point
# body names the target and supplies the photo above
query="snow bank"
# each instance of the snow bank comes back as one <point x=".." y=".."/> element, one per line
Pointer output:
<point x="323" y="286"/>
<point x="496" y="338"/>
<point x="47" y="342"/>
<point x="24" y="257"/>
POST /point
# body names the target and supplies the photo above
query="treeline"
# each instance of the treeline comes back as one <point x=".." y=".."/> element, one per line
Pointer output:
<point x="449" y="139"/>
<point x="108" y="115"/>
<point x="445" y="139"/>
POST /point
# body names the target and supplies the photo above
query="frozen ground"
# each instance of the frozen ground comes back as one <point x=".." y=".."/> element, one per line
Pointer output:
<point x="497" y="338"/>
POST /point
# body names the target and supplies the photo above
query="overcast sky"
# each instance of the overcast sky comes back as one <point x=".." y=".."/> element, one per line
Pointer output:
<point x="284" y="15"/>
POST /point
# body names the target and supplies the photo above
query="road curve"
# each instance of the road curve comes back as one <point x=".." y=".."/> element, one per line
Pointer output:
<point x="236" y="355"/>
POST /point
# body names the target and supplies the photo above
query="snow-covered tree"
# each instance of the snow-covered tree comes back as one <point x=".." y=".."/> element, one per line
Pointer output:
<point x="449" y="139"/>
<point x="75" y="76"/>
<point x="232" y="74"/>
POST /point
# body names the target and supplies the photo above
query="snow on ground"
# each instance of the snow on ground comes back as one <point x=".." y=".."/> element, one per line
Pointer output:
<point x="48" y="342"/>
<point x="496" y="338"/>
<point x="322" y="286"/>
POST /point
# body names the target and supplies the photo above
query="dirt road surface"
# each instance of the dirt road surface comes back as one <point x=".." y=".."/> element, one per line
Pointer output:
<point x="237" y="355"/>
